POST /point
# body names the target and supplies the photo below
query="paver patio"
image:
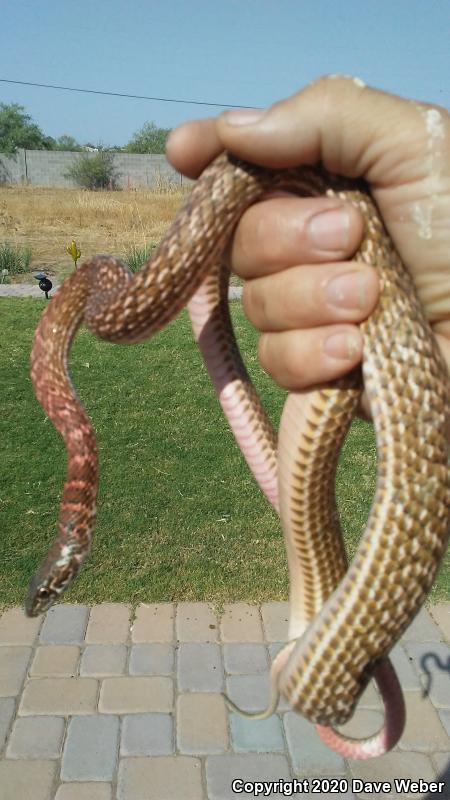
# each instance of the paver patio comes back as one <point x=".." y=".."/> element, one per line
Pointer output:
<point x="107" y="703"/>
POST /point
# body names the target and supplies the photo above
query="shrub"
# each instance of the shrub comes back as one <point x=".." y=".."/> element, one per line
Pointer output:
<point x="94" y="171"/>
<point x="139" y="255"/>
<point x="14" y="259"/>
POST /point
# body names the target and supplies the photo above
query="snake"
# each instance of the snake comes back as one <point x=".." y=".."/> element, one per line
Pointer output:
<point x="344" y="618"/>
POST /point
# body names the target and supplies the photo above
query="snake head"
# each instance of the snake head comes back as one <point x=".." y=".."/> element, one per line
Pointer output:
<point x="55" y="575"/>
<point x="41" y="596"/>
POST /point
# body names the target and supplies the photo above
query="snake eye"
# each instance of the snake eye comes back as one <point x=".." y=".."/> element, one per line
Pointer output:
<point x="44" y="593"/>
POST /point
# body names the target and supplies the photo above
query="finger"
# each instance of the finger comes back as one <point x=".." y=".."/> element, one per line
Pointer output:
<point x="301" y="359"/>
<point x="310" y="296"/>
<point x="283" y="231"/>
<point x="340" y="122"/>
<point x="192" y="146"/>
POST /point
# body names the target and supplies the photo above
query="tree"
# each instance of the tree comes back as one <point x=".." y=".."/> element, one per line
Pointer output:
<point x="149" y="139"/>
<point x="67" y="142"/>
<point x="18" y="130"/>
<point x="94" y="170"/>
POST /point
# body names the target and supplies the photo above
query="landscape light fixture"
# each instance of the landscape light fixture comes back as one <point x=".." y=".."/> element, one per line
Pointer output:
<point x="44" y="283"/>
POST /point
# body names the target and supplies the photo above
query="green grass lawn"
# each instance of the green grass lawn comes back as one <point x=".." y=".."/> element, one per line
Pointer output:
<point x="179" y="515"/>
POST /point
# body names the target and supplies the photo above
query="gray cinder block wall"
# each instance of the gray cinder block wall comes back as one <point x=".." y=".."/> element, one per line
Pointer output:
<point x="48" y="168"/>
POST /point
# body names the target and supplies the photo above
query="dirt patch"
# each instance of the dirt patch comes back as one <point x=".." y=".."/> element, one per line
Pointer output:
<point x="47" y="219"/>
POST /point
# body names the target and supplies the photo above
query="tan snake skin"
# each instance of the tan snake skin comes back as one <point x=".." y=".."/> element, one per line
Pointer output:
<point x="344" y="622"/>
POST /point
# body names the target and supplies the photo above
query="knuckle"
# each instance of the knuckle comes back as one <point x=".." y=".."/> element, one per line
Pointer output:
<point x="294" y="367"/>
<point x="335" y="84"/>
<point x="266" y="228"/>
<point x="254" y="301"/>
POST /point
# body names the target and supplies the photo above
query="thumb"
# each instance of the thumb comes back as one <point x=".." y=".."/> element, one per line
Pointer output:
<point x="401" y="147"/>
<point x="349" y="127"/>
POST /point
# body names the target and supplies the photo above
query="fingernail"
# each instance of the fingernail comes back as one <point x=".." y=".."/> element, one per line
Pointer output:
<point x="348" y="290"/>
<point x="329" y="230"/>
<point x="244" y="116"/>
<point x="343" y="345"/>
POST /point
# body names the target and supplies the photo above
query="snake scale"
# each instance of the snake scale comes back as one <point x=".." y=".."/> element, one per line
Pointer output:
<point x="344" y="620"/>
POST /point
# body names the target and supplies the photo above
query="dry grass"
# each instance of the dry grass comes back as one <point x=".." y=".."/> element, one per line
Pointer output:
<point x="47" y="219"/>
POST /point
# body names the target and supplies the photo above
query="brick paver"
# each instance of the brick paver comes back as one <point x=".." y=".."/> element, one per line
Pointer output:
<point x="64" y="625"/>
<point x="100" y="660"/>
<point x="109" y="623"/>
<point x="147" y="735"/>
<point x="257" y="736"/>
<point x="115" y="703"/>
<point x="91" y="748"/>
<point x="394" y="766"/>
<point x="222" y="770"/>
<point x="135" y="694"/>
<point x="423" y="730"/>
<point x="151" y="659"/>
<point x="422" y="629"/>
<point x="196" y="622"/>
<point x="404" y="667"/>
<point x="241" y="622"/>
<point x="62" y="696"/>
<point x="154" y="622"/>
<point x="22" y="779"/>
<point x="275" y="618"/>
<point x="199" y="667"/>
<point x="16" y="628"/>
<point x="160" y="778"/>
<point x="445" y="719"/>
<point x="308" y="754"/>
<point x="242" y="658"/>
<point x="84" y="791"/>
<point x="60" y="660"/>
<point x="34" y="737"/>
<point x="249" y="692"/>
<point x="441" y="615"/>
<point x="201" y="723"/>
<point x="13" y="667"/>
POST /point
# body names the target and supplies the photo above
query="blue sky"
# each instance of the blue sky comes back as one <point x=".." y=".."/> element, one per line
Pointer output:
<point x="243" y="52"/>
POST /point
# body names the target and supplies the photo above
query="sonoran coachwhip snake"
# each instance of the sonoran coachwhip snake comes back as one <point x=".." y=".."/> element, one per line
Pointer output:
<point x="343" y="621"/>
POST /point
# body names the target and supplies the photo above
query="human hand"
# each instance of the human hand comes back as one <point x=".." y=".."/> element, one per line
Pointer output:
<point x="301" y="289"/>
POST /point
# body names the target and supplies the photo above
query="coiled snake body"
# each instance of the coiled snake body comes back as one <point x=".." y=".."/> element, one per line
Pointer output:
<point x="343" y="621"/>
